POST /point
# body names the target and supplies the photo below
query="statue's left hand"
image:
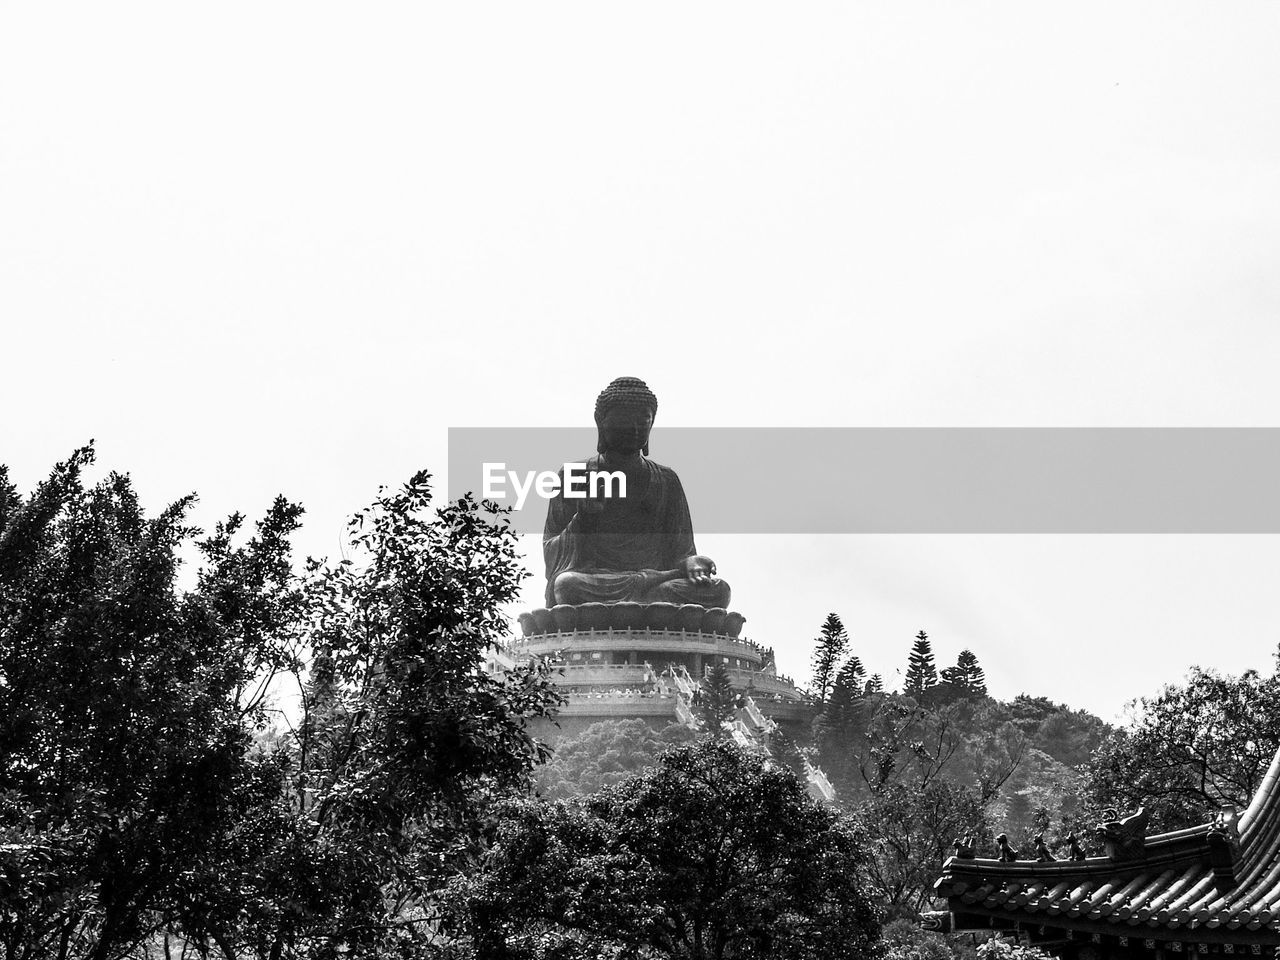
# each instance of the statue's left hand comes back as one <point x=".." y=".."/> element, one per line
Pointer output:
<point x="699" y="569"/>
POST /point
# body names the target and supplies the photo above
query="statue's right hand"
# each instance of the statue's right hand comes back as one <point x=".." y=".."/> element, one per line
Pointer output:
<point x="698" y="568"/>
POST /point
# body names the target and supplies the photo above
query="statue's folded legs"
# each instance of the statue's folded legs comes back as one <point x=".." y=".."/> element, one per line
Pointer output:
<point x="644" y="586"/>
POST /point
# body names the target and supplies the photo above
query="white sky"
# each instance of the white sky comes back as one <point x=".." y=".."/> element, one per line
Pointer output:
<point x="254" y="248"/>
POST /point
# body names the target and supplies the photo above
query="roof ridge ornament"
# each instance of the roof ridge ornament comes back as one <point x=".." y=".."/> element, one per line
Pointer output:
<point x="1223" y="841"/>
<point x="1125" y="838"/>
<point x="1227" y="822"/>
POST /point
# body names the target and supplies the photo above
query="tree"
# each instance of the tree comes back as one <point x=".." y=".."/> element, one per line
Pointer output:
<point x="143" y="790"/>
<point x="714" y="853"/>
<point x="1044" y="797"/>
<point x="1069" y="736"/>
<point x="1017" y="812"/>
<point x="921" y="673"/>
<point x="974" y="677"/>
<point x="916" y="825"/>
<point x="875" y="685"/>
<point x="849" y="685"/>
<point x="127" y="707"/>
<point x="715" y="701"/>
<point x="919" y="775"/>
<point x="999" y="949"/>
<point x="784" y="750"/>
<point x="829" y="648"/>
<point x="908" y="940"/>
<point x="966" y="678"/>
<point x="404" y="741"/>
<point x="603" y="754"/>
<point x="1191" y="750"/>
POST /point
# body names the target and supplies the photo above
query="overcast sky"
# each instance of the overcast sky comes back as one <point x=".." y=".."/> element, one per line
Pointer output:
<point x="260" y="248"/>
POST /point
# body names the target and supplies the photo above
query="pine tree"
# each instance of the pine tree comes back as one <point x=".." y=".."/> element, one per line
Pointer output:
<point x="970" y="674"/>
<point x="1018" y="811"/>
<point x="921" y="673"/>
<point x="966" y="677"/>
<point x="828" y="649"/>
<point x="715" y="701"/>
<point x="847" y="687"/>
<point x="875" y="685"/>
<point x="852" y="676"/>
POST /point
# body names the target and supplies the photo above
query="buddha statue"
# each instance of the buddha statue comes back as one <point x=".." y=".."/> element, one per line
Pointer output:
<point x="637" y="547"/>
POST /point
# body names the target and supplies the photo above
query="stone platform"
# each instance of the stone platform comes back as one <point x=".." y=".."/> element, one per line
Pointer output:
<point x="689" y="617"/>
<point x="619" y="673"/>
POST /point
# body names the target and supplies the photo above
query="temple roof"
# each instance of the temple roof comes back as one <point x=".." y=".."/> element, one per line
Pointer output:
<point x="1217" y="882"/>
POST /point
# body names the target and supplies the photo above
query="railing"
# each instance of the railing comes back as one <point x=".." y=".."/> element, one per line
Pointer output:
<point x="674" y="694"/>
<point x="759" y="719"/>
<point x="684" y="682"/>
<point x="684" y="714"/>
<point x="522" y="644"/>
<point x="764" y="683"/>
<point x="819" y="781"/>
<point x="601" y="666"/>
<point x="630" y="693"/>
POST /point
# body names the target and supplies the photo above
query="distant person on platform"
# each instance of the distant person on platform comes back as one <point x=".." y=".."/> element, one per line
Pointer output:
<point x="608" y="549"/>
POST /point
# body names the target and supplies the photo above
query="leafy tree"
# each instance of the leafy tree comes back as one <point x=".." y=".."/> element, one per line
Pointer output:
<point x="1191" y="750"/>
<point x="907" y="940"/>
<point x="604" y="754"/>
<point x="998" y="948"/>
<point x="784" y="750"/>
<point x="875" y="685"/>
<point x="126" y="707"/>
<point x="1043" y="797"/>
<point x="919" y="776"/>
<point x="921" y="673"/>
<point x="714" y="853"/>
<point x="828" y="650"/>
<point x="143" y="792"/>
<point x="404" y="741"/>
<point x="916" y="826"/>
<point x="1069" y="736"/>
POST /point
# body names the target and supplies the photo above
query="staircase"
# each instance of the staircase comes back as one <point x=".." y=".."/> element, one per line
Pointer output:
<point x="750" y="729"/>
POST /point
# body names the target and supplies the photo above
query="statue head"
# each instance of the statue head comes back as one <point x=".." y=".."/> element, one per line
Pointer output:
<point x="624" y="415"/>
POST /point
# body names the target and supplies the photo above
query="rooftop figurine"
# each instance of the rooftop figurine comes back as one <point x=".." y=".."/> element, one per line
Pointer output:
<point x="1077" y="852"/>
<point x="1043" y="853"/>
<point x="1007" y="853"/>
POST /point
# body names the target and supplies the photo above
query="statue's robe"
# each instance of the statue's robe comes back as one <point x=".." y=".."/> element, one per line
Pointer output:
<point x="632" y="541"/>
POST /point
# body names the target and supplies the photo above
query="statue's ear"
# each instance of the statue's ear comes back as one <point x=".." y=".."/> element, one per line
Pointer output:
<point x="645" y="448"/>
